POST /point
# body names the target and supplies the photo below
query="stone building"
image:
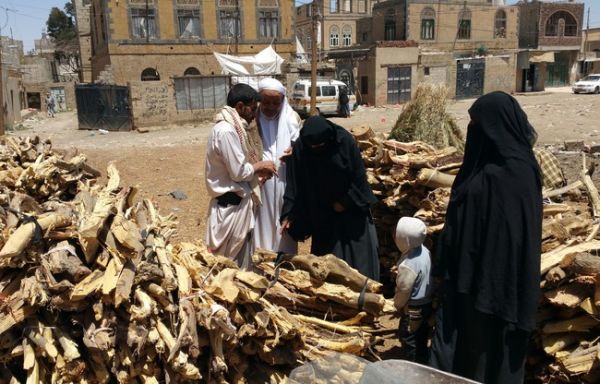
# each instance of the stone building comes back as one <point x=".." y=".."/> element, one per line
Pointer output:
<point x="134" y="40"/>
<point x="470" y="45"/>
<point x="590" y="47"/>
<point x="337" y="28"/>
<point x="11" y="84"/>
<point x="550" y="37"/>
<point x="84" y="35"/>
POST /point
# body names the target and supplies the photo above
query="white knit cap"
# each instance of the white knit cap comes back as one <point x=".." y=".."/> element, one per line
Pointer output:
<point x="271" y="84"/>
<point x="410" y="233"/>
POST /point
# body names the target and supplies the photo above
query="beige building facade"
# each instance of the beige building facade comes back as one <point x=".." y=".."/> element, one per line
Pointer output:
<point x="135" y="40"/>
<point x="84" y="35"/>
<point x="337" y="25"/>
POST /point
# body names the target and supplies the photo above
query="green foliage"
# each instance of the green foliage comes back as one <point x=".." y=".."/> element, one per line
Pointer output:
<point x="60" y="26"/>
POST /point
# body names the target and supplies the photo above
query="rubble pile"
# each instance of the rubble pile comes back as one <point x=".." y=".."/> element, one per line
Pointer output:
<point x="92" y="290"/>
<point x="414" y="179"/>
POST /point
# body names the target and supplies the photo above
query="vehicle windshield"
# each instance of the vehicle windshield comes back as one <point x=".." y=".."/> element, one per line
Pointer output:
<point x="591" y="78"/>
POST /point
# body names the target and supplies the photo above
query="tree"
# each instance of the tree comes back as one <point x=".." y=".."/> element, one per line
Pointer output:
<point x="61" y="27"/>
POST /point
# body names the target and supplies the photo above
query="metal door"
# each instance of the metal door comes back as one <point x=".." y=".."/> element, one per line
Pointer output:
<point x="103" y="107"/>
<point x="398" y="84"/>
<point x="469" y="78"/>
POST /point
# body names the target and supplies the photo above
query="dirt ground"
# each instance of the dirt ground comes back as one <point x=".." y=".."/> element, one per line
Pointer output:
<point x="167" y="159"/>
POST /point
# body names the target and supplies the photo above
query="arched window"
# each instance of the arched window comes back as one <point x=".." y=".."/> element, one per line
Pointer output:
<point x="346" y="36"/>
<point x="390" y="24"/>
<point x="500" y="24"/>
<point x="150" y="74"/>
<point x="428" y="24"/>
<point x="191" y="71"/>
<point x="334" y="36"/>
<point x="561" y="23"/>
<point x="464" y="25"/>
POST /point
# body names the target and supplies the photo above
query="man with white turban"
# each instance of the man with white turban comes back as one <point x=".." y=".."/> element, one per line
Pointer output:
<point x="279" y="127"/>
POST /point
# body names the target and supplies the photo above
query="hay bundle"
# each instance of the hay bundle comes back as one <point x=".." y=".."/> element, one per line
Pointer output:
<point x="425" y="119"/>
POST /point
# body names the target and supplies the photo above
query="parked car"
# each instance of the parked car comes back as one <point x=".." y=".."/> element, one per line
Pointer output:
<point x="589" y="84"/>
<point x="328" y="93"/>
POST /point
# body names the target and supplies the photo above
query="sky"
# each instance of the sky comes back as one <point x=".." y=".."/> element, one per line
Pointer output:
<point x="26" y="19"/>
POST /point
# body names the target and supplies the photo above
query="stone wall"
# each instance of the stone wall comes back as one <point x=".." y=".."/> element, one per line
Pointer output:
<point x="153" y="104"/>
<point x="500" y="74"/>
<point x="546" y="11"/>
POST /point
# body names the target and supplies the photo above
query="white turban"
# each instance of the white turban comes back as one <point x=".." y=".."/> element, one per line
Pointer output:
<point x="271" y="85"/>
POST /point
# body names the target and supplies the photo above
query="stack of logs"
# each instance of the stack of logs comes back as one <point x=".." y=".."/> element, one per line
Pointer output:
<point x="414" y="179"/>
<point x="92" y="291"/>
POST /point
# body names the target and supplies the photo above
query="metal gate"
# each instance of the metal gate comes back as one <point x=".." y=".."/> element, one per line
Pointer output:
<point x="469" y="78"/>
<point x="398" y="84"/>
<point x="103" y="107"/>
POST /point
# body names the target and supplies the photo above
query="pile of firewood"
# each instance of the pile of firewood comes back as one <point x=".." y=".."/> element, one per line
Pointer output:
<point x="413" y="179"/>
<point x="409" y="179"/>
<point x="92" y="291"/>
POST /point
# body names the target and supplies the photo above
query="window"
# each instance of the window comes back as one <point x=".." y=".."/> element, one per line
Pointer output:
<point x="229" y="23"/>
<point x="308" y="10"/>
<point x="328" y="90"/>
<point x="346" y="6"/>
<point x="143" y="23"/>
<point x="150" y="74"/>
<point x="334" y="36"/>
<point x="268" y="23"/>
<point x="364" y="85"/>
<point x="500" y="25"/>
<point x="464" y="25"/>
<point x="390" y="25"/>
<point x="188" y="21"/>
<point x="318" y="91"/>
<point x="362" y="6"/>
<point x="427" y="71"/>
<point x="347" y="36"/>
<point x="365" y="36"/>
<point x="333" y="6"/>
<point x="191" y="71"/>
<point x="428" y="24"/>
<point x="553" y="25"/>
<point x="308" y="42"/>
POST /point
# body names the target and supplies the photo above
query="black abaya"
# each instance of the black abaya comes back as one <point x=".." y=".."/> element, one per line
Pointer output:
<point x="489" y="251"/>
<point x="326" y="168"/>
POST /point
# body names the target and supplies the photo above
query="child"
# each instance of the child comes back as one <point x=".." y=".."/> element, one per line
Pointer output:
<point x="413" y="295"/>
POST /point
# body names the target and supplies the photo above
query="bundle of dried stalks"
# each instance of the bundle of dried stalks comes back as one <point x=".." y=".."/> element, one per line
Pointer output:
<point x="92" y="291"/>
<point x="425" y="119"/>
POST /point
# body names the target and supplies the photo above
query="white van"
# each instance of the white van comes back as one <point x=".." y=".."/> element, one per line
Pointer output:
<point x="328" y="93"/>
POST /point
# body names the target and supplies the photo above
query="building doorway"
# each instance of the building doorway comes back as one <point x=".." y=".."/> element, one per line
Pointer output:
<point x="470" y="74"/>
<point x="34" y="100"/>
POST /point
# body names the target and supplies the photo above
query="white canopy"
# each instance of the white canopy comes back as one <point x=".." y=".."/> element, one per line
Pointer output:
<point x="266" y="62"/>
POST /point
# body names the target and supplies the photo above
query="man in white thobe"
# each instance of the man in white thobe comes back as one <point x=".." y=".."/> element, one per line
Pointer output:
<point x="232" y="170"/>
<point x="279" y="127"/>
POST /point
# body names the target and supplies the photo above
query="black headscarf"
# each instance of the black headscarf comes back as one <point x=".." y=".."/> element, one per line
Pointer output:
<point x="325" y="167"/>
<point x="491" y="244"/>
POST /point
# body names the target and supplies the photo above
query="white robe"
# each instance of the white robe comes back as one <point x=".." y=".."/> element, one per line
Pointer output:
<point x="229" y="229"/>
<point x="277" y="136"/>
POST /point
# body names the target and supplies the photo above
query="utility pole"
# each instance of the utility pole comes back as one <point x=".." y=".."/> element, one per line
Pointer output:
<point x="236" y="25"/>
<point x="313" y="59"/>
<point x="2" y="86"/>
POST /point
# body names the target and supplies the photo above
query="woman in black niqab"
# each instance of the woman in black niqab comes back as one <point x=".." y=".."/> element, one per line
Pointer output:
<point x="328" y="198"/>
<point x="489" y="251"/>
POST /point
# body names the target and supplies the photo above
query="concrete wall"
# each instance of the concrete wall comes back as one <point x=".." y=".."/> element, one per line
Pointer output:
<point x="436" y="64"/>
<point x="36" y="69"/>
<point x="376" y="67"/>
<point x="44" y="88"/>
<point x="11" y="96"/>
<point x="500" y="73"/>
<point x="483" y="17"/>
<point x="153" y="103"/>
<point x="171" y="55"/>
